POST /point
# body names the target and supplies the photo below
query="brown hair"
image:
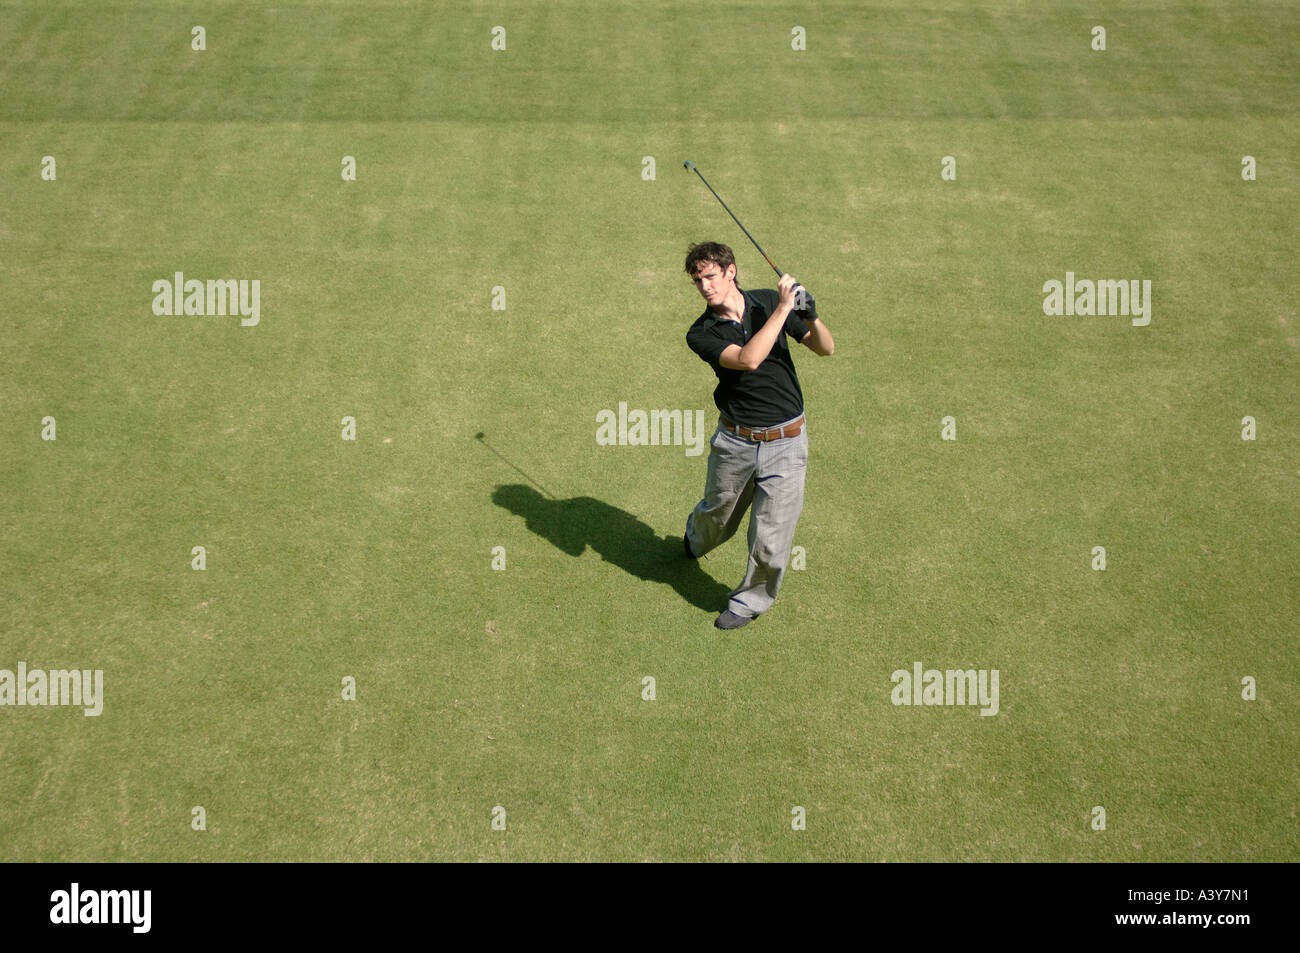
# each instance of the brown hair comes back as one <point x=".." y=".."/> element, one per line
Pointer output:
<point x="704" y="252"/>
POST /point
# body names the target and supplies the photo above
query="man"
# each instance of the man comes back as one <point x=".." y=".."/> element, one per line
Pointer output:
<point x="759" y="453"/>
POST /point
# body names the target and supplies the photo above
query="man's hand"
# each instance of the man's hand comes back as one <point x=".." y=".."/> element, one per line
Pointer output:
<point x="786" y="288"/>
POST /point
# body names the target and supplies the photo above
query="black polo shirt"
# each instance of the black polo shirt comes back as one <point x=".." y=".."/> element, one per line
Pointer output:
<point x="770" y="393"/>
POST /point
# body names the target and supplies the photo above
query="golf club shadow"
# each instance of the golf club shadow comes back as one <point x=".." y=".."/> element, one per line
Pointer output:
<point x="619" y="537"/>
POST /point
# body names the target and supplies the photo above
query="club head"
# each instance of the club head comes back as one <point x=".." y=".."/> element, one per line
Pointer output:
<point x="688" y="164"/>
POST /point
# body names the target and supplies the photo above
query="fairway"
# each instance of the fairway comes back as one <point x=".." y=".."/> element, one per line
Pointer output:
<point x="364" y="584"/>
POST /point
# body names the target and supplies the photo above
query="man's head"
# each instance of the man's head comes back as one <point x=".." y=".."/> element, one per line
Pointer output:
<point x="713" y="268"/>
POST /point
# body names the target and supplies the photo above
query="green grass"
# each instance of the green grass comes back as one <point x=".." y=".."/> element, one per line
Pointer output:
<point x="522" y="688"/>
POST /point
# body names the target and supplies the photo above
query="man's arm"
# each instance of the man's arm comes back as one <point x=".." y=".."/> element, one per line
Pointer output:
<point x="754" y="353"/>
<point x="818" y="339"/>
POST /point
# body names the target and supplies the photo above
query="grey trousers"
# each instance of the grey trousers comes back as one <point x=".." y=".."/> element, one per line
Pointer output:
<point x="769" y="476"/>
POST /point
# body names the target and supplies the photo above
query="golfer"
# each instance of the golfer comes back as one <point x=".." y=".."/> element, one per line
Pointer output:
<point x="759" y="453"/>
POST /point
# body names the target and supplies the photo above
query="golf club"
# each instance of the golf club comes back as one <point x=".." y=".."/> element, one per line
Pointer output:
<point x="779" y="273"/>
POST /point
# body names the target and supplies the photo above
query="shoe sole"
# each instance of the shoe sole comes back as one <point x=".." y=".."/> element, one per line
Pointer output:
<point x="728" y="628"/>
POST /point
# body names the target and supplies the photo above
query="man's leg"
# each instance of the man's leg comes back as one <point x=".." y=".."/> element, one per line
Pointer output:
<point x="778" y="501"/>
<point x="727" y="492"/>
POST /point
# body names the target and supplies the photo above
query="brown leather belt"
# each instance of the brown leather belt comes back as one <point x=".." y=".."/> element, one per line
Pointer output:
<point x="775" y="433"/>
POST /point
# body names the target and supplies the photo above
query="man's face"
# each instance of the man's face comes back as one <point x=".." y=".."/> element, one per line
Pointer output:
<point x="714" y="283"/>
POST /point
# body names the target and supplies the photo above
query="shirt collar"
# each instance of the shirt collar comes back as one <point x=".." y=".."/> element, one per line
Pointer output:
<point x="750" y="303"/>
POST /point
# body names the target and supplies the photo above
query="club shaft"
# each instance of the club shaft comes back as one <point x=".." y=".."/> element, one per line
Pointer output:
<point x="778" y="271"/>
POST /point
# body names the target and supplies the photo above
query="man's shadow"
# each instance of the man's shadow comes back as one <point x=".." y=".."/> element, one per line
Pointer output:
<point x="618" y="536"/>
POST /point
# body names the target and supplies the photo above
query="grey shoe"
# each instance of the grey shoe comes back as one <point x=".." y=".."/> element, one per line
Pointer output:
<point x="686" y="544"/>
<point x="729" y="620"/>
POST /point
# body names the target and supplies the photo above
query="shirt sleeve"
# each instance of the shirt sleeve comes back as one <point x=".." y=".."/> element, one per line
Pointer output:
<point x="796" y="326"/>
<point x="707" y="345"/>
